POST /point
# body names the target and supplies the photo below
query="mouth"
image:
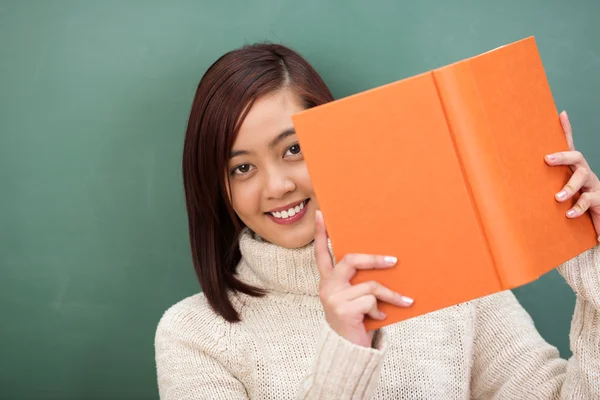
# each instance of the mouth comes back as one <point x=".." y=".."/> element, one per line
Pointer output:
<point x="290" y="214"/>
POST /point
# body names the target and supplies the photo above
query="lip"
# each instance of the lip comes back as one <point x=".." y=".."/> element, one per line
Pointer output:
<point x="290" y="220"/>
<point x="287" y="207"/>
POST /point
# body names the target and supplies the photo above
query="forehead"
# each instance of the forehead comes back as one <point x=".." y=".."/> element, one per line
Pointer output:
<point x="269" y="116"/>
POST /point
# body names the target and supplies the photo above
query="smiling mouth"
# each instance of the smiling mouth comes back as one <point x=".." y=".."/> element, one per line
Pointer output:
<point x="290" y="212"/>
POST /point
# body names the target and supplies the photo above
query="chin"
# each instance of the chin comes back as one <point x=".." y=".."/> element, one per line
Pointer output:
<point x="290" y="237"/>
<point x="296" y="242"/>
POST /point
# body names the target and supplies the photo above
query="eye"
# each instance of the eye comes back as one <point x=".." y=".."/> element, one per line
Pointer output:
<point x="242" y="169"/>
<point x="293" y="150"/>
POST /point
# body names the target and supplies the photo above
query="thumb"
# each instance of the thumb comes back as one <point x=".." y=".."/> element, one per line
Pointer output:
<point x="322" y="255"/>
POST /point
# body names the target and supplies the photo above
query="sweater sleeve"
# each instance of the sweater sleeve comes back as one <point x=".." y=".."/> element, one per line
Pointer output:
<point x="511" y="359"/>
<point x="342" y="369"/>
<point x="186" y="370"/>
<point x="193" y="365"/>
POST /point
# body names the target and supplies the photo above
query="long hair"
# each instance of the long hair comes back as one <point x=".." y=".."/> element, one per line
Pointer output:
<point x="223" y="98"/>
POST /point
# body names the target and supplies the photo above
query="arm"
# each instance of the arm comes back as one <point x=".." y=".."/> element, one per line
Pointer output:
<point x="512" y="361"/>
<point x="187" y="370"/>
<point x="342" y="369"/>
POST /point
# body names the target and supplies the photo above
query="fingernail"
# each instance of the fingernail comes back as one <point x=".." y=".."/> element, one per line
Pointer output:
<point x="571" y="213"/>
<point x="389" y="260"/>
<point x="551" y="157"/>
<point x="406" y="300"/>
<point x="561" y="195"/>
<point x="382" y="315"/>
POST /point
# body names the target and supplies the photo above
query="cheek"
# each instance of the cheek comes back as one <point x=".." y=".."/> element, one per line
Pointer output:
<point x="245" y="199"/>
<point x="303" y="179"/>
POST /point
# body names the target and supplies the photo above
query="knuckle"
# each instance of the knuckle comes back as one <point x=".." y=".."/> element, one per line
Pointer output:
<point x="578" y="155"/>
<point x="372" y="285"/>
<point x="583" y="202"/>
<point x="350" y="259"/>
<point x="372" y="300"/>
<point x="324" y="294"/>
<point x="340" y="310"/>
<point x="330" y="303"/>
<point x="585" y="197"/>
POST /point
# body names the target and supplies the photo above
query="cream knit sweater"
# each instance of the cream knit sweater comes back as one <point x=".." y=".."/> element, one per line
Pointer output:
<point x="283" y="349"/>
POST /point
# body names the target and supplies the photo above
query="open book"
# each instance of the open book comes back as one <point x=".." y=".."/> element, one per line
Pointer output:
<point x="445" y="170"/>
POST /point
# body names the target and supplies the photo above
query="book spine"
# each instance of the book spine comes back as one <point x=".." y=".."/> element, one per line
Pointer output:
<point x="476" y="151"/>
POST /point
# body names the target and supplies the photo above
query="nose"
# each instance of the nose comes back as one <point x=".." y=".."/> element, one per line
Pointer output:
<point x="278" y="183"/>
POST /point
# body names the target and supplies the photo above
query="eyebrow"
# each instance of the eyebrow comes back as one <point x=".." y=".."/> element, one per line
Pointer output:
<point x="274" y="142"/>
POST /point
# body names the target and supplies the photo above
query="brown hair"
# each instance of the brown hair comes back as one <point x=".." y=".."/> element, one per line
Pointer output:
<point x="223" y="98"/>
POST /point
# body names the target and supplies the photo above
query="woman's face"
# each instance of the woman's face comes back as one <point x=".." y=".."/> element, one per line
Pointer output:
<point x="270" y="189"/>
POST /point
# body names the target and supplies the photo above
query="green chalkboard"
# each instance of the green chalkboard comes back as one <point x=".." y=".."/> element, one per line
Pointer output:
<point x="94" y="97"/>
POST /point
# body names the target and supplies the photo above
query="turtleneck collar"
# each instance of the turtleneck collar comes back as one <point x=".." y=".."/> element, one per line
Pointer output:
<point x="275" y="268"/>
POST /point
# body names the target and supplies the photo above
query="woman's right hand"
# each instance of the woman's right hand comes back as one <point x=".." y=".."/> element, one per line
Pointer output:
<point x="346" y="305"/>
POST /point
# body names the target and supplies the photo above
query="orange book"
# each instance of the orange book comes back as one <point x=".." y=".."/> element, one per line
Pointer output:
<point x="445" y="170"/>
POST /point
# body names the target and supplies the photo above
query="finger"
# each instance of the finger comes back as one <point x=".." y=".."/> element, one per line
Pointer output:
<point x="379" y="291"/>
<point x="322" y="255"/>
<point x="577" y="181"/>
<point x="566" y="125"/>
<point x="574" y="159"/>
<point x="367" y="305"/>
<point x="348" y="266"/>
<point x="585" y="201"/>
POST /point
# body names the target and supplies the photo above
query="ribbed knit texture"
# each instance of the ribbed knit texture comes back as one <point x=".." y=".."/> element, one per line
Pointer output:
<point x="284" y="349"/>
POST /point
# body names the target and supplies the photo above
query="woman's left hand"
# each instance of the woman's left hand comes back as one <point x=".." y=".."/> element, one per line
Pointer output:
<point x="583" y="179"/>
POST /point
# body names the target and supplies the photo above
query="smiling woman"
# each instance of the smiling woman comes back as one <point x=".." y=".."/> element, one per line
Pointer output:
<point x="240" y="123"/>
<point x="279" y="319"/>
<point x="269" y="185"/>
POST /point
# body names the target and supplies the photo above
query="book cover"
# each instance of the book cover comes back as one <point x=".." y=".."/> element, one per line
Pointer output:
<point x="445" y="171"/>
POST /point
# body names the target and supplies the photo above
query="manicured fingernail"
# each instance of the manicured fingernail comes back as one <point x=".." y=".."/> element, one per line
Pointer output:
<point x="572" y="212"/>
<point x="551" y="157"/>
<point x="318" y="216"/>
<point x="389" y="260"/>
<point x="561" y="195"/>
<point x="406" y="300"/>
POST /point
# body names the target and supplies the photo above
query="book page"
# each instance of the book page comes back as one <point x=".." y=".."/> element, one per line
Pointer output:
<point x="524" y="124"/>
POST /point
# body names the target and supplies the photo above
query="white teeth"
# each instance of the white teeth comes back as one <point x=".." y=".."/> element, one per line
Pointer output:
<point x="289" y="213"/>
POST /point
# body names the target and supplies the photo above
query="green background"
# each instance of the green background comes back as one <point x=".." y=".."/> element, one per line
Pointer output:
<point x="94" y="97"/>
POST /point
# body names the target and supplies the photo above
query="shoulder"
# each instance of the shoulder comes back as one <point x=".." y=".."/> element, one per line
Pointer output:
<point x="196" y="351"/>
<point x="191" y="321"/>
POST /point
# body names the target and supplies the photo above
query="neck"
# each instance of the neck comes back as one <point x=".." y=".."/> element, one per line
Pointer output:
<point x="275" y="268"/>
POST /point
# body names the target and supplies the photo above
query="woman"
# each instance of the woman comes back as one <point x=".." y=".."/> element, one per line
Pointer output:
<point x="277" y="320"/>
